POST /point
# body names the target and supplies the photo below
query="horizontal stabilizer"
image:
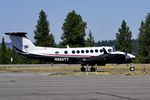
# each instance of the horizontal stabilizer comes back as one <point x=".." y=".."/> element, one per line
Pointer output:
<point x="17" y="34"/>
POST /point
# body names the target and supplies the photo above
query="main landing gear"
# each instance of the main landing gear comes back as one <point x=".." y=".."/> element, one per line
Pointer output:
<point x="83" y="69"/>
<point x="86" y="69"/>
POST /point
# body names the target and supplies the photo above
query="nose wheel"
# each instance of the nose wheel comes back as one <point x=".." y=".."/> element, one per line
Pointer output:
<point x="132" y="68"/>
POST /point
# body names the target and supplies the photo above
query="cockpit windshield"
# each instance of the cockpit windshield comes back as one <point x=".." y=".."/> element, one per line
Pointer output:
<point x="114" y="49"/>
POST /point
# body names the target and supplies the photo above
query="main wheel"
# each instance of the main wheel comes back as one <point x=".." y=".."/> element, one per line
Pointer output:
<point x="83" y="69"/>
<point x="93" y="69"/>
<point x="132" y="68"/>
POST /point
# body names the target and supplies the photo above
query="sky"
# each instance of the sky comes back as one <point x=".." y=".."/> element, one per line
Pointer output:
<point x="103" y="17"/>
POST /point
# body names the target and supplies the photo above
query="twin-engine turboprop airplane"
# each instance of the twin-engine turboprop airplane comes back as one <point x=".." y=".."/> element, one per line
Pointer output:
<point x="82" y="55"/>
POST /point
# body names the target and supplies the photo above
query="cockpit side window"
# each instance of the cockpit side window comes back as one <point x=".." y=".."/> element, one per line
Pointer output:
<point x="114" y="50"/>
<point x="109" y="50"/>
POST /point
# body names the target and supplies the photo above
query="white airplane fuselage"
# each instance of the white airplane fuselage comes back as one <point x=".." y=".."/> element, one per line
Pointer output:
<point x="80" y="55"/>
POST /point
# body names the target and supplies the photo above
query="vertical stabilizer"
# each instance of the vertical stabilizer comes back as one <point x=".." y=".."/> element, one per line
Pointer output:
<point x="21" y="43"/>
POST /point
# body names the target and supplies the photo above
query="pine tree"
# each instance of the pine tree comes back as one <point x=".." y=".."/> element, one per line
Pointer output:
<point x="73" y="30"/>
<point x="144" y="41"/>
<point x="123" y="38"/>
<point x="52" y="40"/>
<point x="105" y="43"/>
<point x="4" y="57"/>
<point x="42" y="37"/>
<point x="90" y="40"/>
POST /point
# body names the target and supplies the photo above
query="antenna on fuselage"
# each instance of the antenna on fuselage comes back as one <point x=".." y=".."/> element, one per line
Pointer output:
<point x="67" y="46"/>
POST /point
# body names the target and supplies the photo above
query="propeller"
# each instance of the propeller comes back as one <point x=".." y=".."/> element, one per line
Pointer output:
<point x="126" y="57"/>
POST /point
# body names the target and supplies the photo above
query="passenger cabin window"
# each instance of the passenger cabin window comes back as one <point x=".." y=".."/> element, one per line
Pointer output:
<point x="56" y="52"/>
<point x="96" y="50"/>
<point x="87" y="51"/>
<point x="78" y="51"/>
<point x="91" y="51"/>
<point x="66" y="52"/>
<point x="82" y="51"/>
<point x="101" y="50"/>
<point x="73" y="52"/>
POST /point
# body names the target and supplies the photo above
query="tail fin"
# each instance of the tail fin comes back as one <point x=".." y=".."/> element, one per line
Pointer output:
<point x="21" y="43"/>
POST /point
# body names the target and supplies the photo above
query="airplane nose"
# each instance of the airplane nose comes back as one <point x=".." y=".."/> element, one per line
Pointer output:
<point x="130" y="56"/>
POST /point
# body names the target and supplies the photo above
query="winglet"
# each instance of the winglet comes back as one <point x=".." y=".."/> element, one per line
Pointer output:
<point x="67" y="46"/>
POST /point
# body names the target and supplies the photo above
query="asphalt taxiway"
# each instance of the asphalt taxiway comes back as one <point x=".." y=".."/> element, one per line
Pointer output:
<point x="27" y="86"/>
